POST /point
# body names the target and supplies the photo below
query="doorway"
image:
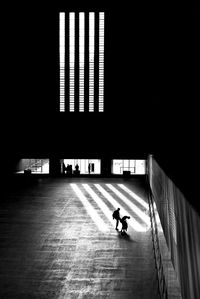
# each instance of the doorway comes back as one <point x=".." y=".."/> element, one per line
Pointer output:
<point x="85" y="166"/>
<point x="134" y="166"/>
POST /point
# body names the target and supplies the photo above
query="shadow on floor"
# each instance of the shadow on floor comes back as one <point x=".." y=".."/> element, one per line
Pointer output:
<point x="125" y="237"/>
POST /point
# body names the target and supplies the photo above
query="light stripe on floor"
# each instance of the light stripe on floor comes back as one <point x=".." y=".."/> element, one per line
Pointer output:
<point x="89" y="208"/>
<point x="132" y="222"/>
<point x="134" y="196"/>
<point x="100" y="203"/>
<point x="133" y="207"/>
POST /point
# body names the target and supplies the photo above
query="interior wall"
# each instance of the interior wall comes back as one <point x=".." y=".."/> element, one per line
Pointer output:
<point x="181" y="225"/>
<point x="151" y="88"/>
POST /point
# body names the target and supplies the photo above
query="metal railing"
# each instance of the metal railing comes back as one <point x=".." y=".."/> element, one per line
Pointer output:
<point x="162" y="286"/>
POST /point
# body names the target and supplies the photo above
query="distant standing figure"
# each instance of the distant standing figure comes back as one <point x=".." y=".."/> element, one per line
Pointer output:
<point x="116" y="216"/>
<point x="124" y="224"/>
<point x="68" y="169"/>
<point x="89" y="168"/>
<point x="77" y="167"/>
<point x="64" y="167"/>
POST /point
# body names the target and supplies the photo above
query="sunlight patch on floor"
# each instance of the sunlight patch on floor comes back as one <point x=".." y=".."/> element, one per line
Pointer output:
<point x="132" y="206"/>
<point x="134" y="196"/>
<point x="89" y="208"/>
<point x="133" y="223"/>
<point x="100" y="203"/>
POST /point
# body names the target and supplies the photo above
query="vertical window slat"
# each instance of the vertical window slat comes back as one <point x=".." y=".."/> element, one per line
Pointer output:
<point x="62" y="60"/>
<point x="101" y="61"/>
<point x="91" y="59"/>
<point x="81" y="59"/>
<point x="71" y="61"/>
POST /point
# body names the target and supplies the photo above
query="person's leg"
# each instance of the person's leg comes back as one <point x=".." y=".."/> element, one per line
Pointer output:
<point x="117" y="222"/>
<point x="122" y="228"/>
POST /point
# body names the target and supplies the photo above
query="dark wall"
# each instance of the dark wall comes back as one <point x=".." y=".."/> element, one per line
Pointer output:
<point x="151" y="88"/>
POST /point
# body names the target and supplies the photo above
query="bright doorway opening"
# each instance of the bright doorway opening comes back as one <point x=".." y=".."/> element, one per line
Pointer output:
<point x="40" y="166"/>
<point x="132" y="166"/>
<point x="82" y="166"/>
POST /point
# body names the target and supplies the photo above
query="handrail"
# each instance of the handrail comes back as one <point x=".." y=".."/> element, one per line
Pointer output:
<point x="162" y="286"/>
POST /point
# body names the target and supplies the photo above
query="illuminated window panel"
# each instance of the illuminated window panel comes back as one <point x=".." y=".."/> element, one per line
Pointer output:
<point x="77" y="59"/>
<point x="91" y="59"/>
<point x="86" y="166"/>
<point x="134" y="166"/>
<point x="71" y="61"/>
<point x="34" y="166"/>
<point x="101" y="61"/>
<point x="62" y="60"/>
<point x="81" y="59"/>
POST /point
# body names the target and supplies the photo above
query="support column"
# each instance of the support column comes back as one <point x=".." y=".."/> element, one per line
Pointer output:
<point x="106" y="166"/>
<point x="54" y="167"/>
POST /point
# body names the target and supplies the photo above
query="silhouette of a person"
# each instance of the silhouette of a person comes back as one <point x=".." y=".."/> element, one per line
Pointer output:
<point x="124" y="224"/>
<point x="89" y="168"/>
<point x="68" y="169"/>
<point x="64" y="167"/>
<point x="77" y="167"/>
<point x="116" y="216"/>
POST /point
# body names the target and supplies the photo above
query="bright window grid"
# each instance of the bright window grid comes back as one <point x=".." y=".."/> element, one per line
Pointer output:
<point x="135" y="166"/>
<point x="81" y="60"/>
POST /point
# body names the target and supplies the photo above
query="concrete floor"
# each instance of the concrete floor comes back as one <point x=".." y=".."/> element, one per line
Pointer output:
<point x="51" y="247"/>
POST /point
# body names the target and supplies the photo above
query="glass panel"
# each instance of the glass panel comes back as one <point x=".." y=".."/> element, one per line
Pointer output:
<point x="71" y="60"/>
<point x="91" y="59"/>
<point x="134" y="166"/>
<point x="40" y="166"/>
<point x="117" y="166"/>
<point x="95" y="166"/>
<point x="62" y="60"/>
<point x="126" y="165"/>
<point x="81" y="59"/>
<point x="101" y="61"/>
<point x="140" y="167"/>
<point x="86" y="166"/>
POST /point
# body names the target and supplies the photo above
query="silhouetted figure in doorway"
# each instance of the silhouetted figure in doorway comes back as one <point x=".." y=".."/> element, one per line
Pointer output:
<point x="76" y="171"/>
<point x="89" y="168"/>
<point x="116" y="216"/>
<point x="124" y="224"/>
<point x="64" y="167"/>
<point x="68" y="169"/>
